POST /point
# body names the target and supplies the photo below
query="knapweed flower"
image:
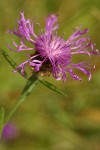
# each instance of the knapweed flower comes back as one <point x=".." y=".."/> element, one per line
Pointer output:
<point x="51" y="53"/>
<point x="10" y="132"/>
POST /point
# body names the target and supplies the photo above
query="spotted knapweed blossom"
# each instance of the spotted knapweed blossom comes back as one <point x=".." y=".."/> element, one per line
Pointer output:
<point x="51" y="53"/>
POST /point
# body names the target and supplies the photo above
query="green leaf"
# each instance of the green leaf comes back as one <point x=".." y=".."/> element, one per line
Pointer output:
<point x="1" y="119"/>
<point x="52" y="87"/>
<point x="11" y="62"/>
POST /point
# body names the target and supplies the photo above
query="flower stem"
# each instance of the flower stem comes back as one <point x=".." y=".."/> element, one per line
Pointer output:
<point x="32" y="81"/>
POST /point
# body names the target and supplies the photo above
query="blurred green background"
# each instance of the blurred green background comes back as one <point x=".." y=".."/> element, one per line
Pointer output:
<point x="47" y="121"/>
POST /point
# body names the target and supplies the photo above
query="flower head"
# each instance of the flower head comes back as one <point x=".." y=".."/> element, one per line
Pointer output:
<point x="10" y="132"/>
<point x="53" y="54"/>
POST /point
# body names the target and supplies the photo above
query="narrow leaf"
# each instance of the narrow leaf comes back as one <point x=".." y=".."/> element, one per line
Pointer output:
<point x="52" y="87"/>
<point x="1" y="119"/>
<point x="10" y="61"/>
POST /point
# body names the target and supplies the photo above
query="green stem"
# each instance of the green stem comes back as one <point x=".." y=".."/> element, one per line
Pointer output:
<point x="26" y="91"/>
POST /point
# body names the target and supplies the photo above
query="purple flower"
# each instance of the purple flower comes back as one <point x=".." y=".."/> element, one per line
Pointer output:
<point x="9" y="132"/>
<point x="52" y="53"/>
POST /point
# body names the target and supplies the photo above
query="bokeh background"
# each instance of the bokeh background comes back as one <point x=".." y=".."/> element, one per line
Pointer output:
<point x="46" y="120"/>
